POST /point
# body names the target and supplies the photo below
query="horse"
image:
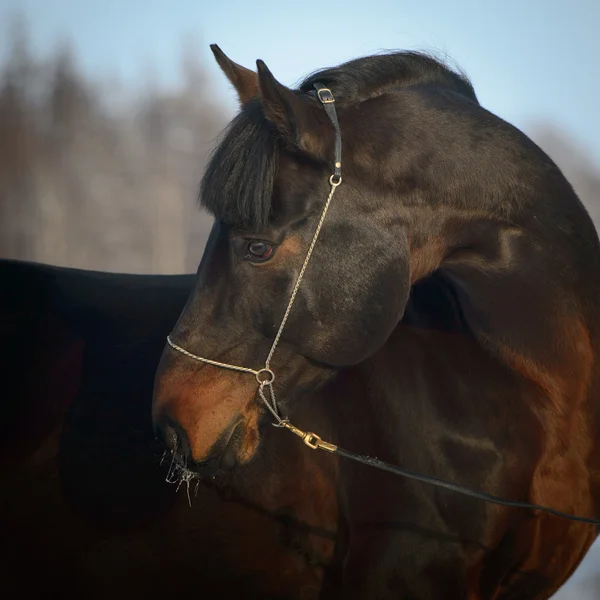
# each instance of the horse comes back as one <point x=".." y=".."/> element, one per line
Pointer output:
<point x="430" y="301"/>
<point x="84" y="504"/>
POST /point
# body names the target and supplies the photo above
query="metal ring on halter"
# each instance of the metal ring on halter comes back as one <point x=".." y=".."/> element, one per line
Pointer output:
<point x="333" y="182"/>
<point x="270" y="376"/>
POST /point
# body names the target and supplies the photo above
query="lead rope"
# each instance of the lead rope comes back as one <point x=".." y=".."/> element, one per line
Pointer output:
<point x="265" y="376"/>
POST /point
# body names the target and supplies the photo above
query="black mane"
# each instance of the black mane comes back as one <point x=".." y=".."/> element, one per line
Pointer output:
<point x="364" y="78"/>
<point x="238" y="182"/>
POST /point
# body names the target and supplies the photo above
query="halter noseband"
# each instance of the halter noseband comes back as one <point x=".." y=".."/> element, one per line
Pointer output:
<point x="265" y="376"/>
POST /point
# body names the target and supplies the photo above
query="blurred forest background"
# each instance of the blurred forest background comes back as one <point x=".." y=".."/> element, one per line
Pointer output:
<point x="95" y="175"/>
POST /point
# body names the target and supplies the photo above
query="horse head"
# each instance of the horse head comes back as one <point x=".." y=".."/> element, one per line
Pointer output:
<point x="406" y="207"/>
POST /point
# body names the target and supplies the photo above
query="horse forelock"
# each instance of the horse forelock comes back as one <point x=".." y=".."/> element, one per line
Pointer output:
<point x="237" y="186"/>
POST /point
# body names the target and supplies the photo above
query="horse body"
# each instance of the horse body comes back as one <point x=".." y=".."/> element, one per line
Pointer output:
<point x="84" y="502"/>
<point x="432" y="544"/>
<point x="447" y="323"/>
<point x="398" y="537"/>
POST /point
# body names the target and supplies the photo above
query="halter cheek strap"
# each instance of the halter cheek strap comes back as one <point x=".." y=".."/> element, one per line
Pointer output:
<point x="265" y="377"/>
<point x="326" y="98"/>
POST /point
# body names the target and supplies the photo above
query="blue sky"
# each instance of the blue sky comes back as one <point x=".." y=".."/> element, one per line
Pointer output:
<point x="530" y="60"/>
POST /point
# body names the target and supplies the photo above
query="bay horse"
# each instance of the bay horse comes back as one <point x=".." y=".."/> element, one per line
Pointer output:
<point x="447" y="322"/>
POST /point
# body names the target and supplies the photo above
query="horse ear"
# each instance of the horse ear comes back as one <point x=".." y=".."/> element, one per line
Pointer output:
<point x="243" y="80"/>
<point x="303" y="123"/>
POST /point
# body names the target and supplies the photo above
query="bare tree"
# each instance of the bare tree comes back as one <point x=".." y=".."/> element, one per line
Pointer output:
<point x="17" y="144"/>
<point x="84" y="184"/>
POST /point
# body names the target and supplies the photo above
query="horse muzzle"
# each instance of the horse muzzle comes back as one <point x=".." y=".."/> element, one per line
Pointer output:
<point x="223" y="456"/>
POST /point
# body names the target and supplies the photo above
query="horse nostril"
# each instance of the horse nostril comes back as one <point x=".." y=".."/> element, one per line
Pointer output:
<point x="173" y="436"/>
<point x="169" y="437"/>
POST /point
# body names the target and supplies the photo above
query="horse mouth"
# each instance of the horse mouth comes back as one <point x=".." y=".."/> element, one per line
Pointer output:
<point x="217" y="465"/>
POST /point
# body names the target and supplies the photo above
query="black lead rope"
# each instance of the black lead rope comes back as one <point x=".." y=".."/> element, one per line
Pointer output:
<point x="326" y="98"/>
<point x="453" y="487"/>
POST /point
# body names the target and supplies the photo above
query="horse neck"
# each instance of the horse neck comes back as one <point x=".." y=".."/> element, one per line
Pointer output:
<point x="504" y="286"/>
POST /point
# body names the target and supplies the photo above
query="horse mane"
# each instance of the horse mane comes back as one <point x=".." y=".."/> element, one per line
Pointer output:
<point x="237" y="186"/>
<point x="363" y="78"/>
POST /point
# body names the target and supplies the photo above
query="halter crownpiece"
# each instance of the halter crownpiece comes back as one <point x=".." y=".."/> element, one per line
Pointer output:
<point x="265" y="376"/>
<point x="327" y="100"/>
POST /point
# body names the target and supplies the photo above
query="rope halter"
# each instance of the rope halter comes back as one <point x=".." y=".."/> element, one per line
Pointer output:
<point x="265" y="377"/>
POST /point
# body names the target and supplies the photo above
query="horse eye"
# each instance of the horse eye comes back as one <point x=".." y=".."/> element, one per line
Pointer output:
<point x="258" y="251"/>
